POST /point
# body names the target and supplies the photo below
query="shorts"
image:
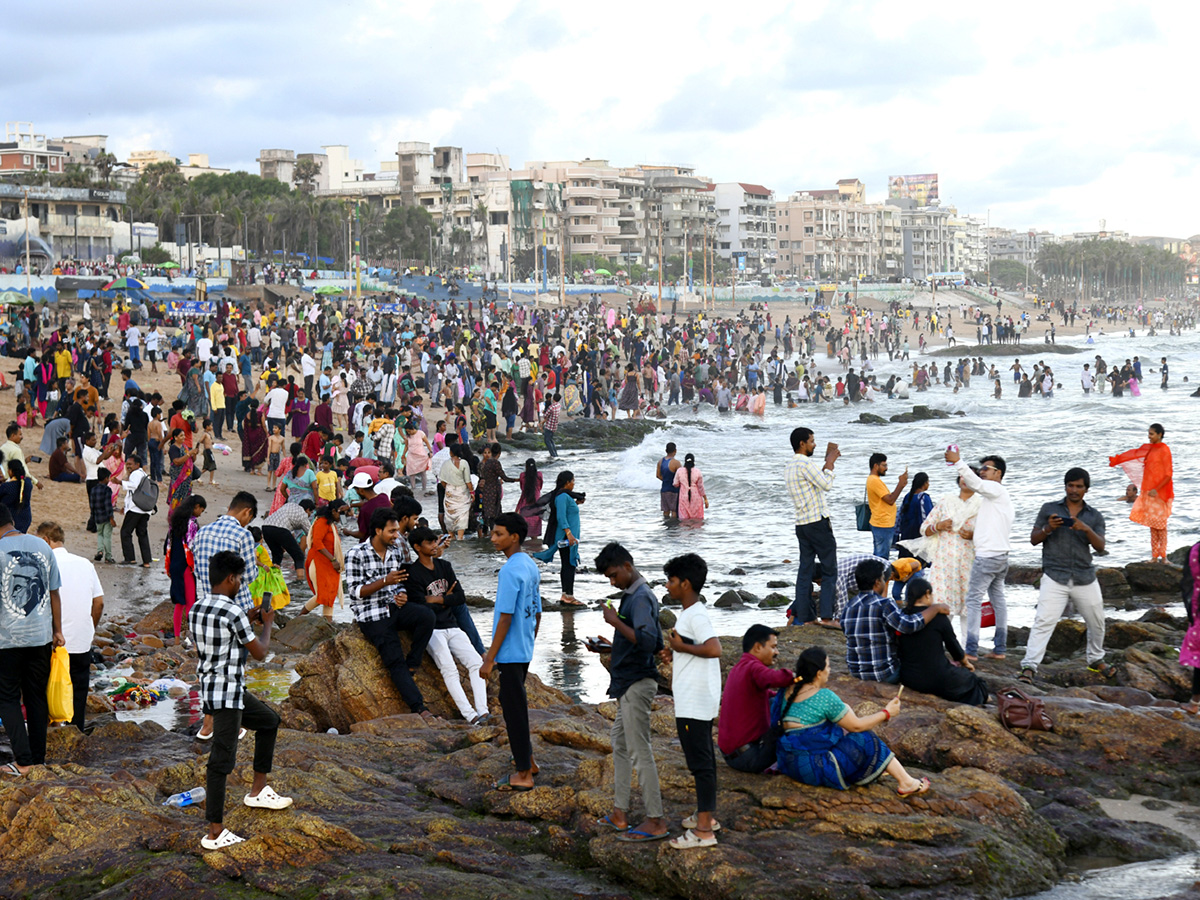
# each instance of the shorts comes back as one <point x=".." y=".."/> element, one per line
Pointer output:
<point x="669" y="501"/>
<point x="489" y="419"/>
<point x="273" y="462"/>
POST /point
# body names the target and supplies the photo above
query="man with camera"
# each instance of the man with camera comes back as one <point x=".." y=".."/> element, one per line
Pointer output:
<point x="1069" y="531"/>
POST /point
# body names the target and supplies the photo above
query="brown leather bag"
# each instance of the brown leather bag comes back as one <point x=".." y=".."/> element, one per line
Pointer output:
<point x="1019" y="710"/>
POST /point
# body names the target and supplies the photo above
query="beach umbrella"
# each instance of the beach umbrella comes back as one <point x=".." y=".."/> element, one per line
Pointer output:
<point x="169" y="265"/>
<point x="329" y="289"/>
<point x="602" y="272"/>
<point x="622" y="272"/>
<point x="14" y="298"/>
<point x="124" y="284"/>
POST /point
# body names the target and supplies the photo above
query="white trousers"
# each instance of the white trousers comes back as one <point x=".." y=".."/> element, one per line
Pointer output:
<point x="448" y="645"/>
<point x="1052" y="603"/>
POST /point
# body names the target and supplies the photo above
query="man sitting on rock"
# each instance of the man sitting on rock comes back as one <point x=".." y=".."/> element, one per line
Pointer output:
<point x="871" y="621"/>
<point x="744" y="727"/>
<point x="374" y="575"/>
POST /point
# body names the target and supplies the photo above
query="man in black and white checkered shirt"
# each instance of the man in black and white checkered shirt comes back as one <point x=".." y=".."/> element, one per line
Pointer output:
<point x="374" y="573"/>
<point x="223" y="634"/>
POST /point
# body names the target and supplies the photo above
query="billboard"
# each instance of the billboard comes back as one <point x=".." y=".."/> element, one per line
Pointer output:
<point x="920" y="188"/>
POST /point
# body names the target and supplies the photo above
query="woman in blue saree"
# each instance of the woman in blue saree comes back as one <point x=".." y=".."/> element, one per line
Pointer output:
<point x="824" y="743"/>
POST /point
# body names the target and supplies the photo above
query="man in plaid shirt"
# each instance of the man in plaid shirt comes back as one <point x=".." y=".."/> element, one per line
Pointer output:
<point x="550" y="425"/>
<point x="374" y="573"/>
<point x="228" y="532"/>
<point x="871" y="622"/>
<point x="223" y="634"/>
<point x="807" y="485"/>
<point x="101" y="506"/>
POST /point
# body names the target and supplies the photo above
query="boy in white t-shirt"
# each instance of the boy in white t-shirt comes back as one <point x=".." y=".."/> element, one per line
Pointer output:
<point x="696" y="684"/>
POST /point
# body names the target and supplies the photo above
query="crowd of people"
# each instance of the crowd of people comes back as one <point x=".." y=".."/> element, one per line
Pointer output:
<point x="383" y="427"/>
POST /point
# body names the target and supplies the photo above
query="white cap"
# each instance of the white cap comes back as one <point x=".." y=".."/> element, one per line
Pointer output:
<point x="362" y="480"/>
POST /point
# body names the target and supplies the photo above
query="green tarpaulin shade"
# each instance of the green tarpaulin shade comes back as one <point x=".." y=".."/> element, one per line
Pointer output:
<point x="123" y="284"/>
<point x="169" y="265"/>
<point x="329" y="289"/>
<point x="14" y="298"/>
<point x="602" y="272"/>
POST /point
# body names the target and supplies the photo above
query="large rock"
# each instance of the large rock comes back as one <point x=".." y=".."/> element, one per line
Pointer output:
<point x="160" y="619"/>
<point x="1023" y="575"/>
<point x="342" y="681"/>
<point x="1113" y="583"/>
<point x="304" y="632"/>
<point x="1153" y="577"/>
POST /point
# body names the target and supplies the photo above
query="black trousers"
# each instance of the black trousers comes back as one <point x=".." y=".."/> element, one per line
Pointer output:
<point x="280" y="540"/>
<point x="260" y="719"/>
<point x="135" y="523"/>
<point x="515" y="707"/>
<point x="25" y="672"/>
<point x="417" y="619"/>
<point x="81" y="678"/>
<point x="816" y="540"/>
<point x="757" y="757"/>
<point x="567" y="574"/>
<point x="695" y="736"/>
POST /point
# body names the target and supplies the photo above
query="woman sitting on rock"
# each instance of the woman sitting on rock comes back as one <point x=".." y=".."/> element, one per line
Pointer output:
<point x="824" y="743"/>
<point x="923" y="663"/>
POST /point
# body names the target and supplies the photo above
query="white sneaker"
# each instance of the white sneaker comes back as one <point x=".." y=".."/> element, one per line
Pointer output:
<point x="267" y="799"/>
<point x="225" y="839"/>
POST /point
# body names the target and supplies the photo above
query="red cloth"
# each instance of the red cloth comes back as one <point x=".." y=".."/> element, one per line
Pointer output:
<point x="379" y="501"/>
<point x="745" y="703"/>
<point x="1149" y="467"/>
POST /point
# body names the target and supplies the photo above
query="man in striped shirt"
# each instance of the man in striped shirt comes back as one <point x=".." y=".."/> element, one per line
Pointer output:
<point x="807" y="485"/>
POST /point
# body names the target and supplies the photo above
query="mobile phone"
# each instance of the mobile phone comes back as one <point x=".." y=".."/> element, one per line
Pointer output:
<point x="1068" y="521"/>
<point x="266" y="599"/>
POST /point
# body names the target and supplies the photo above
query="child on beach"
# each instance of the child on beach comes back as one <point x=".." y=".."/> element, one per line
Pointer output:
<point x="274" y="454"/>
<point x="206" y="441"/>
<point x="329" y="486"/>
<point x="270" y="576"/>
<point x="696" y="685"/>
<point x="223" y="634"/>
<point x="100" y="499"/>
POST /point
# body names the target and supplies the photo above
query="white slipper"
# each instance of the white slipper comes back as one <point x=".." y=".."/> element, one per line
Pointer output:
<point x="691" y="841"/>
<point x="225" y="839"/>
<point x="694" y="819"/>
<point x="267" y="799"/>
<point x="200" y="736"/>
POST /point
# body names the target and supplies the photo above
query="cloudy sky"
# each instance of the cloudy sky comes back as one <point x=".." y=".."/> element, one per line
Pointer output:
<point x="1047" y="114"/>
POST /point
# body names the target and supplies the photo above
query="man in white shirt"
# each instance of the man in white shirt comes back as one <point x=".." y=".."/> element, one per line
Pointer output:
<point x="993" y="528"/>
<point x="204" y="349"/>
<point x="308" y="369"/>
<point x="82" y="599"/>
<point x="276" y="402"/>
<point x="1087" y="379"/>
<point x="137" y="519"/>
<point x="153" y="338"/>
<point x="133" y="341"/>
<point x="254" y="336"/>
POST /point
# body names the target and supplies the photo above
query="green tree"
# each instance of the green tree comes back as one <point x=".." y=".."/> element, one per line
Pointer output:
<point x="1009" y="274"/>
<point x="305" y="173"/>
<point x="156" y="255"/>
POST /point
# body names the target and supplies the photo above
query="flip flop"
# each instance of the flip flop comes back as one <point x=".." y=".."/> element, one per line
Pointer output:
<point x="920" y="789"/>
<point x="607" y="822"/>
<point x="11" y="770"/>
<point x="637" y="836"/>
<point x="505" y="785"/>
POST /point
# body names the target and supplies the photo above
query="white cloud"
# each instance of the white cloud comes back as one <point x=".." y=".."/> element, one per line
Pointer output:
<point x="1051" y="115"/>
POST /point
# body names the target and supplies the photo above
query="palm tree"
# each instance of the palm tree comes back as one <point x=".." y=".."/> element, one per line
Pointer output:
<point x="480" y="214"/>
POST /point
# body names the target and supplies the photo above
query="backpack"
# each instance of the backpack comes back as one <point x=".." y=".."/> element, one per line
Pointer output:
<point x="145" y="496"/>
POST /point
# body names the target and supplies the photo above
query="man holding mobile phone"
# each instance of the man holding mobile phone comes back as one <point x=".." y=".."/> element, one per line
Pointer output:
<point x="808" y="485"/>
<point x="1069" y="532"/>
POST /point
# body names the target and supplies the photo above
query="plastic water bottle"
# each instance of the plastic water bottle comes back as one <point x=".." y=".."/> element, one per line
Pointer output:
<point x="332" y="731"/>
<point x="187" y="798"/>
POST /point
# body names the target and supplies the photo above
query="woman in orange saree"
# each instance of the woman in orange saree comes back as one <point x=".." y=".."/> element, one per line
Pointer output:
<point x="1149" y="467"/>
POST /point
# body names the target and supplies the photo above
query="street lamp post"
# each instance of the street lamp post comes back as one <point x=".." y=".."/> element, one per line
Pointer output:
<point x="429" y="230"/>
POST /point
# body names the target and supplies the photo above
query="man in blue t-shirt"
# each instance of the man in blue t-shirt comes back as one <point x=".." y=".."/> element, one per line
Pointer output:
<point x="517" y="617"/>
<point x="30" y="626"/>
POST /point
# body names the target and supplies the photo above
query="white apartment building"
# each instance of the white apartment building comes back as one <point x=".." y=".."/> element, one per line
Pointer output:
<point x="968" y="244"/>
<point x="1019" y="246"/>
<point x="745" y="216"/>
<point x="836" y="234"/>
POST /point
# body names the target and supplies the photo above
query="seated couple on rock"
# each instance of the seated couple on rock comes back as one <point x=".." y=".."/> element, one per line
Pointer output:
<point x="906" y="646"/>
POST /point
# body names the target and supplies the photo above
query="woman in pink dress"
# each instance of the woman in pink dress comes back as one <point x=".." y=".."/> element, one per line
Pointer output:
<point x="417" y="454"/>
<point x="692" y="498"/>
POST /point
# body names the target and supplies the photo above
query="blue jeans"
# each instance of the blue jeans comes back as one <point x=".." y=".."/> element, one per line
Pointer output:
<point x="883" y="540"/>
<point x="548" y="437"/>
<point x="816" y="540"/>
<point x="462" y="616"/>
<point x="987" y="579"/>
